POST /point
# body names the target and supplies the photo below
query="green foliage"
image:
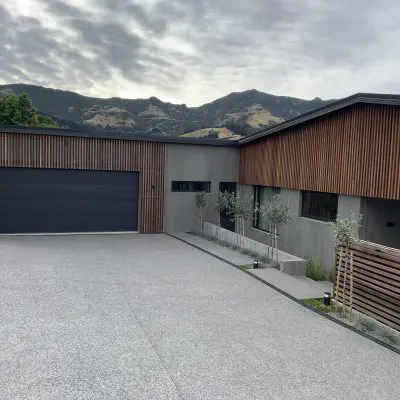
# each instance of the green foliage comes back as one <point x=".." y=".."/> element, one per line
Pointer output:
<point x="19" y="110"/>
<point x="239" y="206"/>
<point x="200" y="200"/>
<point x="319" y="305"/>
<point x="344" y="231"/>
<point x="71" y="110"/>
<point x="220" y="201"/>
<point x="315" y="269"/>
<point x="9" y="110"/>
<point x="276" y="212"/>
<point x="27" y="113"/>
<point x="47" y="122"/>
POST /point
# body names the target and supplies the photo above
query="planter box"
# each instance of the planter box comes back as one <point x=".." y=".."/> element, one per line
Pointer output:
<point x="288" y="263"/>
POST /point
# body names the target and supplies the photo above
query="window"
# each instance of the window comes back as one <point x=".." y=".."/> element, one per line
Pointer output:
<point x="190" y="186"/>
<point x="322" y="206"/>
<point x="262" y="195"/>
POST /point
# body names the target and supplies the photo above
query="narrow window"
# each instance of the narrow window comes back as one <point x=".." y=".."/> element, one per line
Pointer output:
<point x="190" y="186"/>
<point x="262" y="195"/>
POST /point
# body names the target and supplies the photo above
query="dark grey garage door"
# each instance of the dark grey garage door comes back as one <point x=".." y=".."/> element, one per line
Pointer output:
<point x="59" y="200"/>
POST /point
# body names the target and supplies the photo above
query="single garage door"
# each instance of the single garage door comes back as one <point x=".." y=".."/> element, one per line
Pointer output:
<point x="36" y="200"/>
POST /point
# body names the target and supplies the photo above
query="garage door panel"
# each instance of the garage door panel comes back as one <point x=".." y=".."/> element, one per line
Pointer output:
<point x="51" y="200"/>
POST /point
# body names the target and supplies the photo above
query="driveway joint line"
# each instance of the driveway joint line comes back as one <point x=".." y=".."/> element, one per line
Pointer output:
<point x="178" y="390"/>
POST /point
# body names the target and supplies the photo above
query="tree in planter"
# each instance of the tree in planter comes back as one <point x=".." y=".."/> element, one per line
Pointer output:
<point x="277" y="214"/>
<point x="220" y="204"/>
<point x="200" y="201"/>
<point x="240" y="207"/>
<point x="345" y="233"/>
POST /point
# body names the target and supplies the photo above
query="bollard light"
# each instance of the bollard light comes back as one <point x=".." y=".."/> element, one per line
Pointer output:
<point x="255" y="265"/>
<point x="327" y="299"/>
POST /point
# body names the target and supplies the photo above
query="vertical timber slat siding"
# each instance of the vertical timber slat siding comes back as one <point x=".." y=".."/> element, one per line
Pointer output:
<point x="43" y="151"/>
<point x="354" y="152"/>
<point x="376" y="282"/>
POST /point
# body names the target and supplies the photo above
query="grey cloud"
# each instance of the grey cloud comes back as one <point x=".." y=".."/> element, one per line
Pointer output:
<point x="43" y="52"/>
<point x="112" y="43"/>
<point x="64" y="10"/>
<point x="255" y="40"/>
<point x="150" y="21"/>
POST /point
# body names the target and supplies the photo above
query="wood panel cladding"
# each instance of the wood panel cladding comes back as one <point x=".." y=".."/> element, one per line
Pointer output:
<point x="376" y="282"/>
<point x="355" y="151"/>
<point x="45" y="151"/>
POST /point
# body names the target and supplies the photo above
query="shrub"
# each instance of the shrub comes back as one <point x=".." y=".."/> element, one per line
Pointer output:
<point x="315" y="269"/>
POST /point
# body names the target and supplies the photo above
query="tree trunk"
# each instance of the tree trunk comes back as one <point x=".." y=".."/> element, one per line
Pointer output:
<point x="276" y="244"/>
<point x="241" y="230"/>
<point x="270" y="257"/>
<point x="243" y="225"/>
<point x="237" y="223"/>
<point x="351" y="285"/>
<point x="346" y="261"/>
<point x="338" y="270"/>
<point x="218" y="227"/>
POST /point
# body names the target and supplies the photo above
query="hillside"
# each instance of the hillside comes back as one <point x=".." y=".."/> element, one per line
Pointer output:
<point x="217" y="133"/>
<point x="241" y="113"/>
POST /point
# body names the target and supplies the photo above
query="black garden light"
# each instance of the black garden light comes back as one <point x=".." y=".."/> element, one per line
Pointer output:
<point x="327" y="299"/>
<point x="255" y="265"/>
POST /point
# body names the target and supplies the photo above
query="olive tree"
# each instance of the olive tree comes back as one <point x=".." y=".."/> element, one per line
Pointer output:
<point x="344" y="232"/>
<point x="220" y="204"/>
<point x="277" y="214"/>
<point x="240" y="207"/>
<point x="200" y="202"/>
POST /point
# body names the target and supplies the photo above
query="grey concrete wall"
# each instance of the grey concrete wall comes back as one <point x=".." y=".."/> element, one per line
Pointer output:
<point x="377" y="213"/>
<point x="195" y="163"/>
<point x="304" y="236"/>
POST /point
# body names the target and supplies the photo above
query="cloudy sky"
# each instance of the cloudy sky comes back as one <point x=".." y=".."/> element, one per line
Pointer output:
<point x="194" y="51"/>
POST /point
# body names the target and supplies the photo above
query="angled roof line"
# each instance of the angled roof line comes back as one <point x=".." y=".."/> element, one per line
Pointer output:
<point x="366" y="98"/>
<point x="116" y="135"/>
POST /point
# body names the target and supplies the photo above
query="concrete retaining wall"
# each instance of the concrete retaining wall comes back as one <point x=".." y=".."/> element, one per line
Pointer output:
<point x="288" y="263"/>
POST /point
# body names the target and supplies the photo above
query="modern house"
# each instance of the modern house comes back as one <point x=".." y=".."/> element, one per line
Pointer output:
<point x="342" y="158"/>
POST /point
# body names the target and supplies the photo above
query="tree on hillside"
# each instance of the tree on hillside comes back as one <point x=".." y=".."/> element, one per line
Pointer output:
<point x="46" y="122"/>
<point x="9" y="110"/>
<point x="27" y="113"/>
<point x="19" y="110"/>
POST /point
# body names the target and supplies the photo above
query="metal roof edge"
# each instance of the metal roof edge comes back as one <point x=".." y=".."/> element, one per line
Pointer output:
<point x="116" y="136"/>
<point x="365" y="98"/>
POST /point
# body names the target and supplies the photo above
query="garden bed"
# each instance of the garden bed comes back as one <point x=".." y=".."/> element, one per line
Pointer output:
<point x="288" y="263"/>
<point x="360" y="322"/>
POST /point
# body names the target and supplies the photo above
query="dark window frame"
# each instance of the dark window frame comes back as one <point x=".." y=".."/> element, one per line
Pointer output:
<point x="256" y="200"/>
<point x="190" y="186"/>
<point x="320" y="206"/>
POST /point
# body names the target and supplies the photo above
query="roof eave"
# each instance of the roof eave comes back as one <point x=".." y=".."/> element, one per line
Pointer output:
<point x="116" y="136"/>
<point x="352" y="100"/>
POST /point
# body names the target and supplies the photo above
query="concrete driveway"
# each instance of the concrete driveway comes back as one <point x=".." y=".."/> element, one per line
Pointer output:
<point x="149" y="317"/>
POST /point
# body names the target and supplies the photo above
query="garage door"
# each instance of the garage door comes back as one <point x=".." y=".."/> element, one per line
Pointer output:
<point x="36" y="200"/>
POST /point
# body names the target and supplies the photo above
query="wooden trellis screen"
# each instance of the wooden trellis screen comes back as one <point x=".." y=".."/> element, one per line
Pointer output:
<point x="376" y="282"/>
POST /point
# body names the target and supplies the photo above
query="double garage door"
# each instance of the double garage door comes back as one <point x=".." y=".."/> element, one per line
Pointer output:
<point x="34" y="200"/>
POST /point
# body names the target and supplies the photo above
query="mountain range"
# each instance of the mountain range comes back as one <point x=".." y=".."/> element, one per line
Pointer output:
<point x="232" y="116"/>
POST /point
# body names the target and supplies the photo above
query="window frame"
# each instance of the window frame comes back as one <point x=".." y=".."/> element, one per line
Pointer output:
<point x="256" y="200"/>
<point x="304" y="214"/>
<point x="191" y="186"/>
